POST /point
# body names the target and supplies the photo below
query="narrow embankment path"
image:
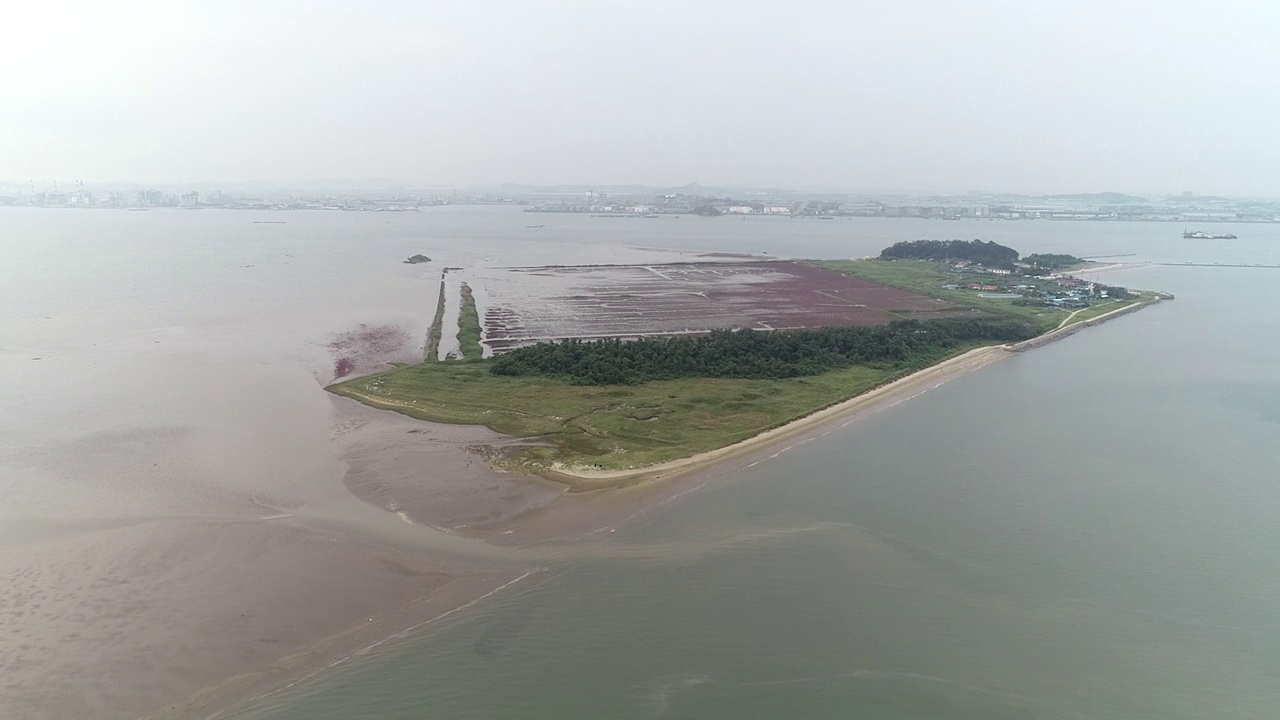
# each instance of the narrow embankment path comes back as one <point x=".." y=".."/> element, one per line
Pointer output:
<point x="437" y="327"/>
<point x="1067" y="319"/>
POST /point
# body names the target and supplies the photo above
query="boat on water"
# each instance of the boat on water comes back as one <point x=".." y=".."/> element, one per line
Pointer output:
<point x="1202" y="235"/>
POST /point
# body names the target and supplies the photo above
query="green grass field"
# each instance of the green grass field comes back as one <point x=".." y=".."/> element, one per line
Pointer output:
<point x="614" y="428"/>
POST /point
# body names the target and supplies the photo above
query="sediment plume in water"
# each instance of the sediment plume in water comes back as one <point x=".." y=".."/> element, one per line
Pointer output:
<point x="365" y="346"/>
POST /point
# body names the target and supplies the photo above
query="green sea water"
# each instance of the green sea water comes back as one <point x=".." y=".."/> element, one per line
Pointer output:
<point x="1090" y="530"/>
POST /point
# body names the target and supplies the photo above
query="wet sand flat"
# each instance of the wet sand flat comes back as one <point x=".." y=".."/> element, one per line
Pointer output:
<point x="429" y="474"/>
<point x="169" y="618"/>
<point x="171" y="605"/>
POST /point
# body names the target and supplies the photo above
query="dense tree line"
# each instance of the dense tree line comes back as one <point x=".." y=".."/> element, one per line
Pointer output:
<point x="990" y="254"/>
<point x="1051" y="261"/>
<point x="902" y="344"/>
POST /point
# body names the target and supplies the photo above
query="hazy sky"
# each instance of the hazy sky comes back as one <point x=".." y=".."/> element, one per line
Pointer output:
<point x="919" y="95"/>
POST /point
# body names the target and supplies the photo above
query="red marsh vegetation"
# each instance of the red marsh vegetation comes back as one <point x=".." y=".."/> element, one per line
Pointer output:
<point x="365" y="346"/>
<point x="548" y="303"/>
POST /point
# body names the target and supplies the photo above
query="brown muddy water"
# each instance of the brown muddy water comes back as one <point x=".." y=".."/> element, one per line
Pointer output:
<point x="1086" y="530"/>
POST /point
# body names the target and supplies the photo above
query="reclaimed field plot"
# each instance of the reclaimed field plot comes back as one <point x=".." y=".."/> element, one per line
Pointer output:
<point x="528" y="305"/>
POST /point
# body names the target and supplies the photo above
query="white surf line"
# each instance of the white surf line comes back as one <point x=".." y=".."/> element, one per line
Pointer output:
<point x="614" y="527"/>
<point x="407" y="631"/>
<point x="266" y="506"/>
<point x="657" y="272"/>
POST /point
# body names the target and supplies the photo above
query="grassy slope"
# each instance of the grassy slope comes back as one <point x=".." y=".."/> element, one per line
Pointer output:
<point x="611" y="427"/>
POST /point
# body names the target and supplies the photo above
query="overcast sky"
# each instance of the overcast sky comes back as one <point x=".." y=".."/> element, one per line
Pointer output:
<point x="912" y="95"/>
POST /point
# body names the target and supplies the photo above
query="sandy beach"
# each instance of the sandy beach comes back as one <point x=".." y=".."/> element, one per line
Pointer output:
<point x="177" y="617"/>
<point x="173" y="620"/>
<point x="888" y="394"/>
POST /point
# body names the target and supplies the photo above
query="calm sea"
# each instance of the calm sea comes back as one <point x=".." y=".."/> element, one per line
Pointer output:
<point x="1089" y="530"/>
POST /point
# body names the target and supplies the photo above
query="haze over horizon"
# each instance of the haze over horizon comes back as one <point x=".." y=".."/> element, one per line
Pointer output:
<point x="860" y="97"/>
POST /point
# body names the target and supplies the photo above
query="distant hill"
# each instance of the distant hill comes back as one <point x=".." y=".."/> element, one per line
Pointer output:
<point x="1109" y="197"/>
<point x="987" y="253"/>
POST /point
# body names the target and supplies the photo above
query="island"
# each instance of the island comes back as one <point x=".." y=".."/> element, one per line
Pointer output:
<point x="651" y="370"/>
<point x="416" y="259"/>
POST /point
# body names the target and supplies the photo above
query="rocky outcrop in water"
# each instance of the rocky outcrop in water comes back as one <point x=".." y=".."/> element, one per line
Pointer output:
<point x="415" y="259"/>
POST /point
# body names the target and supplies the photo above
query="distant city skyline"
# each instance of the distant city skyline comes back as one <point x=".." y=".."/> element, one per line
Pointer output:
<point x="636" y="201"/>
<point x="363" y="185"/>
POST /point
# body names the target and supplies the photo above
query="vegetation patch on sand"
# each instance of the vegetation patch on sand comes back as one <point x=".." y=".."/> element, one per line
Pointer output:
<point x="469" y="326"/>
<point x="605" y="427"/>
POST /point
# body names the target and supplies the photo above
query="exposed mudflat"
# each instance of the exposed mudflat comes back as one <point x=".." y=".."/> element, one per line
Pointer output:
<point x="527" y="305"/>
